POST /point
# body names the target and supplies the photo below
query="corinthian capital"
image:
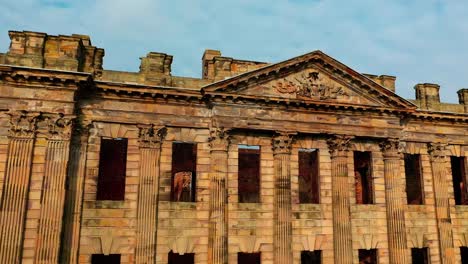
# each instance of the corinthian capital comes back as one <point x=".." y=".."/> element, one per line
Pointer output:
<point x="151" y="136"/>
<point x="59" y="127"/>
<point x="219" y="138"/>
<point x="437" y="151"/>
<point x="339" y="145"/>
<point x="281" y="142"/>
<point x="23" y="124"/>
<point x="391" y="147"/>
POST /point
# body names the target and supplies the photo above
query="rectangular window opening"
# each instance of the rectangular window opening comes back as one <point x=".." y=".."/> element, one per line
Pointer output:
<point x="187" y="258"/>
<point x="112" y="169"/>
<point x="311" y="257"/>
<point x="249" y="174"/>
<point x="363" y="177"/>
<point x="414" y="183"/>
<point x="248" y="258"/>
<point x="105" y="259"/>
<point x="309" y="181"/>
<point x="419" y="256"/>
<point x="367" y="256"/>
<point x="464" y="255"/>
<point x="459" y="180"/>
<point x="184" y="166"/>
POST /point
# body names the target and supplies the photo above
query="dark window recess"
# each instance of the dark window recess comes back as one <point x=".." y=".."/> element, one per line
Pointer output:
<point x="249" y="174"/>
<point x="309" y="181"/>
<point x="311" y="257"/>
<point x="459" y="180"/>
<point x="363" y="177"/>
<point x="419" y="256"/>
<point x="187" y="258"/>
<point x="184" y="165"/>
<point x="248" y="258"/>
<point x="112" y="166"/>
<point x="367" y="256"/>
<point x="464" y="255"/>
<point x="414" y="184"/>
<point x="105" y="259"/>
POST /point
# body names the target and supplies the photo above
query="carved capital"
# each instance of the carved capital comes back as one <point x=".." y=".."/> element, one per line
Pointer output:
<point x="151" y="136"/>
<point x="219" y="139"/>
<point x="281" y="142"/>
<point x="23" y="124"/>
<point x="59" y="127"/>
<point x="391" y="147"/>
<point x="339" y="145"/>
<point x="437" y="151"/>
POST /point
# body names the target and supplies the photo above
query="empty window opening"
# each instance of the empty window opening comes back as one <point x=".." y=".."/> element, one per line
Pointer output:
<point x="112" y="167"/>
<point x="174" y="258"/>
<point x="184" y="164"/>
<point x="414" y="184"/>
<point x="249" y="174"/>
<point x="367" y="256"/>
<point x="464" y="255"/>
<point x="309" y="181"/>
<point x="105" y="259"/>
<point x="363" y="177"/>
<point x="311" y="257"/>
<point x="459" y="180"/>
<point x="248" y="258"/>
<point x="419" y="256"/>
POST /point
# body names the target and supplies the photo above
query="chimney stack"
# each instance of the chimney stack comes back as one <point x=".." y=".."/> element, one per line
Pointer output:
<point x="428" y="95"/>
<point x="463" y="98"/>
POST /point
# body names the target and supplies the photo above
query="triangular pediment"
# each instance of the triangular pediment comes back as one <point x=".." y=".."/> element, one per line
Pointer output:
<point x="313" y="77"/>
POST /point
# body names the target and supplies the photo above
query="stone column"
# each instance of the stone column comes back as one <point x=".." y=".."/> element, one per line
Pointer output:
<point x="147" y="208"/>
<point x="217" y="237"/>
<point x="74" y="194"/>
<point x="394" y="193"/>
<point x="282" y="240"/>
<point x="342" y="236"/>
<point x="16" y="186"/>
<point x="53" y="191"/>
<point x="438" y="157"/>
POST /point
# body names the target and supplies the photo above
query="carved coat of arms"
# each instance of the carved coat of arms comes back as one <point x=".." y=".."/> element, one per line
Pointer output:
<point x="310" y="85"/>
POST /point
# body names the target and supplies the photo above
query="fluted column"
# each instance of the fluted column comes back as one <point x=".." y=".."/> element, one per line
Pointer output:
<point x="147" y="208"/>
<point x="342" y="236"/>
<point x="217" y="237"/>
<point x="282" y="240"/>
<point x="438" y="156"/>
<point x="16" y="186"/>
<point x="394" y="193"/>
<point x="53" y="191"/>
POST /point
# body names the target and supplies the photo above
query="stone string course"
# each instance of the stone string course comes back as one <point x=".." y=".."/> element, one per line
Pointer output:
<point x="57" y="103"/>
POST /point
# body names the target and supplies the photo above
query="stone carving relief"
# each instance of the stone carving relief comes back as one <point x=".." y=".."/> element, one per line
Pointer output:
<point x="281" y="142"/>
<point x="310" y="85"/>
<point x="219" y="137"/>
<point x="58" y="126"/>
<point x="151" y="136"/>
<point x="23" y="124"/>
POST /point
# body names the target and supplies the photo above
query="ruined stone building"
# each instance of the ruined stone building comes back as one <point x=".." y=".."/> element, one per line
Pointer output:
<point x="301" y="161"/>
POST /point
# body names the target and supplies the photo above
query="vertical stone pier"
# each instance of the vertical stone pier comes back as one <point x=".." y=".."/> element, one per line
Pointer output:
<point x="343" y="249"/>
<point x="438" y="157"/>
<point x="147" y="208"/>
<point x="282" y="240"/>
<point x="13" y="203"/>
<point x="394" y="197"/>
<point x="217" y="237"/>
<point x="53" y="192"/>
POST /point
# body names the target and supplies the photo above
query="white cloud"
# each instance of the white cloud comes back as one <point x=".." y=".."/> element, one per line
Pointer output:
<point x="418" y="41"/>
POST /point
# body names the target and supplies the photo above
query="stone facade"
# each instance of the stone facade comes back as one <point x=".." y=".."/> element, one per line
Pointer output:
<point x="58" y="105"/>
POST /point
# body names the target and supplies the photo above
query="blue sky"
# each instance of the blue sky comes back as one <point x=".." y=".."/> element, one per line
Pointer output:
<point x="417" y="41"/>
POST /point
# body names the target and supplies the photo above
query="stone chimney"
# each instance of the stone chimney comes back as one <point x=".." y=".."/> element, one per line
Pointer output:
<point x="427" y="94"/>
<point x="208" y="71"/>
<point x="156" y="68"/>
<point x="463" y="98"/>
<point x="26" y="49"/>
<point x="386" y="81"/>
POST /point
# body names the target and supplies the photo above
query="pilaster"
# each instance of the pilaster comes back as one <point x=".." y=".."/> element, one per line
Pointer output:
<point x="53" y="191"/>
<point x="282" y="240"/>
<point x="343" y="249"/>
<point x="217" y="237"/>
<point x="438" y="157"/>
<point x="394" y="193"/>
<point x="22" y="134"/>
<point x="147" y="209"/>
